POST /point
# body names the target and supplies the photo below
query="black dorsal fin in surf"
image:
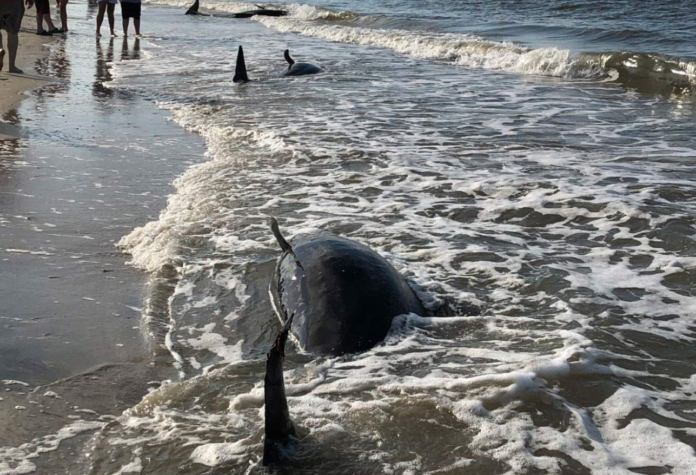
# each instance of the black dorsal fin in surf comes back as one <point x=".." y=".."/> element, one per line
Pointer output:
<point x="279" y="428"/>
<point x="240" y="72"/>
<point x="288" y="58"/>
<point x="194" y="8"/>
<point x="284" y="245"/>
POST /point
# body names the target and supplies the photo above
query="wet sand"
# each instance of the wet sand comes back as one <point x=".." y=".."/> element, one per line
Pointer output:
<point x="80" y="166"/>
<point x="14" y="87"/>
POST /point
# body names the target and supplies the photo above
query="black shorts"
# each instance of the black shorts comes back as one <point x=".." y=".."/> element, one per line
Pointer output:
<point x="42" y="7"/>
<point x="11" y="14"/>
<point x="130" y="10"/>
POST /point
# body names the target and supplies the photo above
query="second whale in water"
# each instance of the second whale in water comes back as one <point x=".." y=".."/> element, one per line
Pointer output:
<point x="299" y="69"/>
<point x="294" y="69"/>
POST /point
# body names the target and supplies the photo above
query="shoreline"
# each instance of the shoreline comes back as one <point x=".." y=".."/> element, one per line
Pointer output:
<point x="81" y="165"/>
<point x="58" y="257"/>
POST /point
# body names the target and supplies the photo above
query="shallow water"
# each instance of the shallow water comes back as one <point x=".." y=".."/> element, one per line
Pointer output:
<point x="528" y="180"/>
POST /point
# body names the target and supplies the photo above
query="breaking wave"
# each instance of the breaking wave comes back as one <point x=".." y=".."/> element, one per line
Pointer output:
<point x="650" y="73"/>
<point x="645" y="72"/>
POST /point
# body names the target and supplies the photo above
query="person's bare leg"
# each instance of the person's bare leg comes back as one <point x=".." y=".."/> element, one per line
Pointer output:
<point x="39" y="22"/>
<point x="64" y="15"/>
<point x="2" y="53"/>
<point x="136" y="23"/>
<point x="110" y="12"/>
<point x="100" y="18"/>
<point x="125" y="27"/>
<point x="12" y="45"/>
<point x="49" y="22"/>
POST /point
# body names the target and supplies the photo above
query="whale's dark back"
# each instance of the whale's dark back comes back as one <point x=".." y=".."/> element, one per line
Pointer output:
<point x="344" y="297"/>
<point x="302" y="69"/>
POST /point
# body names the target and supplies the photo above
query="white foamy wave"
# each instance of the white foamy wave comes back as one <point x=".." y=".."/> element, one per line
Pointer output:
<point x="463" y="50"/>
<point x="311" y="12"/>
<point x="159" y="243"/>
<point x="19" y="460"/>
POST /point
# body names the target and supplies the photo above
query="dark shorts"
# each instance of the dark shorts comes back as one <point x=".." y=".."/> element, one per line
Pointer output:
<point x="42" y="7"/>
<point x="130" y="10"/>
<point x="11" y="14"/>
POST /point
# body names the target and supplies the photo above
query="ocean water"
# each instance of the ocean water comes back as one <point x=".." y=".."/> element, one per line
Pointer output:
<point x="530" y="167"/>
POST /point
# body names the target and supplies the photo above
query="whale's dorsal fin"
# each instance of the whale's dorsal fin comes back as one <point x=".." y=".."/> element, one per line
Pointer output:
<point x="194" y="8"/>
<point x="288" y="58"/>
<point x="284" y="245"/>
<point x="279" y="428"/>
<point x="240" y="72"/>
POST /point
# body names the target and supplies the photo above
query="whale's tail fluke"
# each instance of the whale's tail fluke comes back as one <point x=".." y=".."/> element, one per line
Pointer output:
<point x="240" y="72"/>
<point x="288" y="58"/>
<point x="194" y="8"/>
<point x="279" y="428"/>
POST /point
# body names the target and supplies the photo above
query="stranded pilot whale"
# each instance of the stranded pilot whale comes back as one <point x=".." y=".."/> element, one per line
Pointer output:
<point x="299" y="69"/>
<point x="335" y="296"/>
<point x="262" y="11"/>
<point x="343" y="294"/>
<point x="295" y="69"/>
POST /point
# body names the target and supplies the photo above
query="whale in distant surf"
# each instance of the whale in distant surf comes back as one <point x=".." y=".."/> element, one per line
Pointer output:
<point x="294" y="69"/>
<point x="335" y="296"/>
<point x="262" y="11"/>
<point x="193" y="9"/>
<point x="299" y="69"/>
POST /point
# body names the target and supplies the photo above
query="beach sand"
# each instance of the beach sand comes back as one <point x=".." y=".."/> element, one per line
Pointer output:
<point x="80" y="167"/>
<point x="15" y="86"/>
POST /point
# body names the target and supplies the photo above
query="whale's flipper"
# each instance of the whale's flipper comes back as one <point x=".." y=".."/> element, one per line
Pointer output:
<point x="240" y="72"/>
<point x="284" y="245"/>
<point x="194" y="9"/>
<point x="279" y="428"/>
<point x="260" y="7"/>
<point x="288" y="58"/>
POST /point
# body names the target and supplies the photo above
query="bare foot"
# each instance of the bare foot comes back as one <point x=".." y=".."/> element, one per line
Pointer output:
<point x="113" y="34"/>
<point x="2" y="58"/>
<point x="98" y="35"/>
<point x="16" y="70"/>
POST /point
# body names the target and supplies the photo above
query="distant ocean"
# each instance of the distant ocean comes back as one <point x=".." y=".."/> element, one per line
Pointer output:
<point x="531" y="162"/>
